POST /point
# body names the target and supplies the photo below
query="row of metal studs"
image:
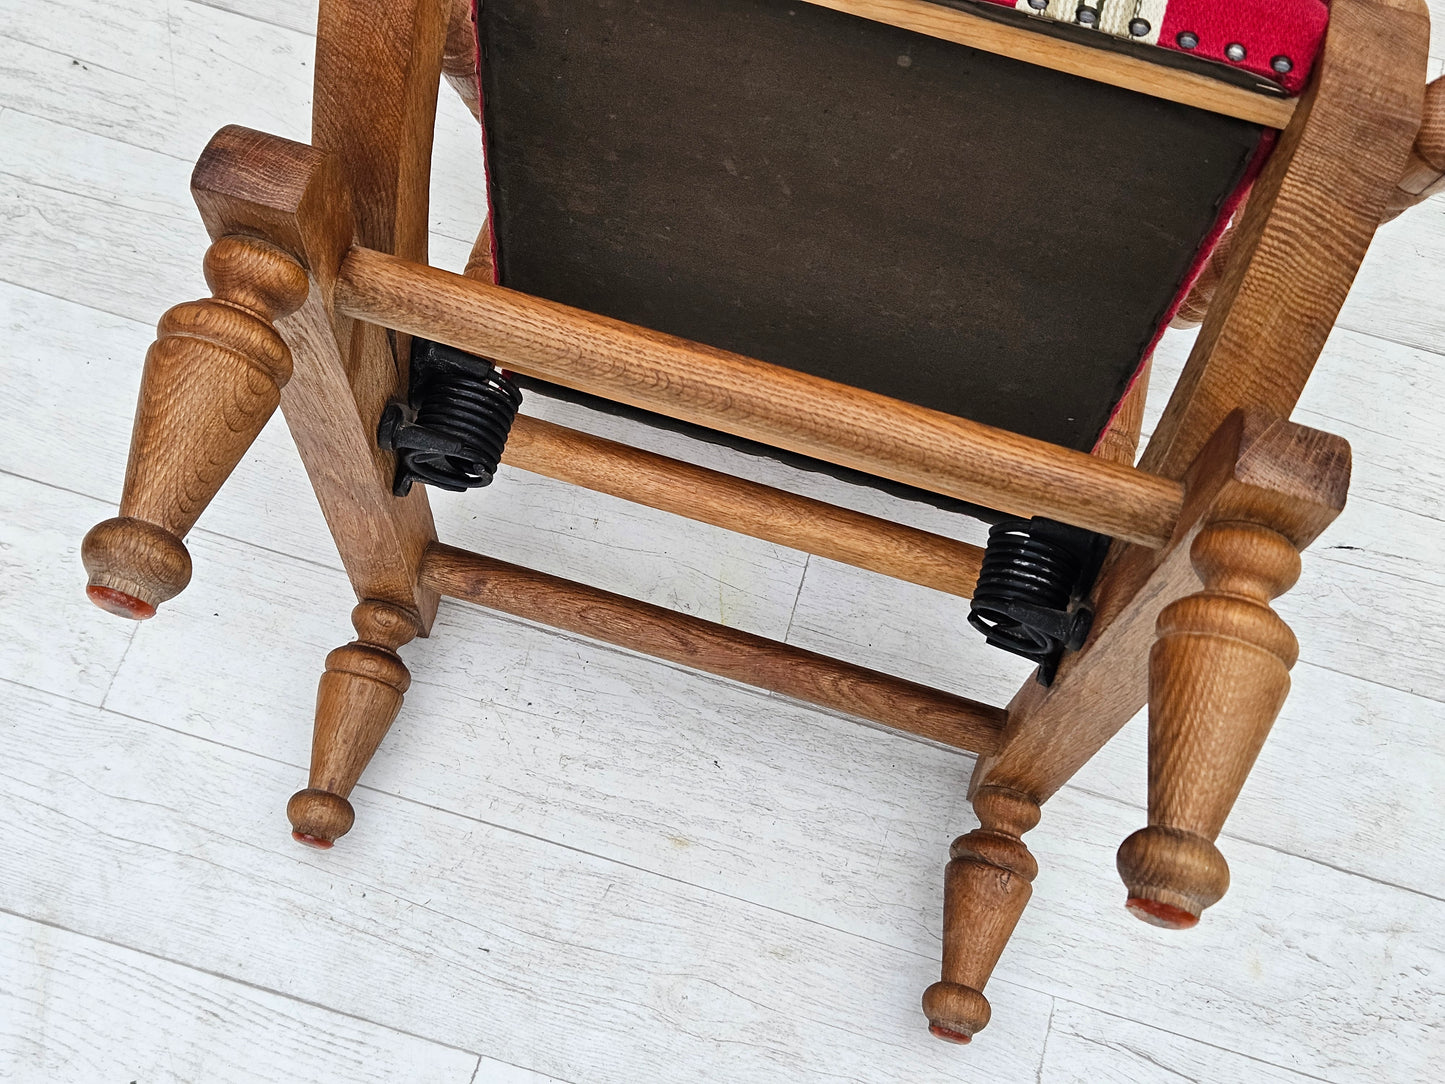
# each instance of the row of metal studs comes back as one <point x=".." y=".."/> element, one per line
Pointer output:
<point x="1087" y="16"/>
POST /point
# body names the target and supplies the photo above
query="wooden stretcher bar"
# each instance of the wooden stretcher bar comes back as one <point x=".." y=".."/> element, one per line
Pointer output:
<point x="757" y="401"/>
<point x="750" y="508"/>
<point x="712" y="648"/>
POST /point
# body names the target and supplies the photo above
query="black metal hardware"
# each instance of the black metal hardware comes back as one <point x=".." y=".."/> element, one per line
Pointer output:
<point x="1030" y="597"/>
<point x="451" y="431"/>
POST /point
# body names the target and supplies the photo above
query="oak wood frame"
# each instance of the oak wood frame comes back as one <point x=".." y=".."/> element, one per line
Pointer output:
<point x="325" y="245"/>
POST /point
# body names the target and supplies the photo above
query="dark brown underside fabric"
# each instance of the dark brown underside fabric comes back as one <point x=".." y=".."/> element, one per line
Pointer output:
<point x="942" y="225"/>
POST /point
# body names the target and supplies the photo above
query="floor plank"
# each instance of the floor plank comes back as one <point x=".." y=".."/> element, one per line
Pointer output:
<point x="74" y="1009"/>
<point x="791" y="809"/>
<point x="677" y="878"/>
<point x="164" y="78"/>
<point x="1089" y="1047"/>
<point x="45" y="639"/>
<point x="530" y="953"/>
<point x="299" y="15"/>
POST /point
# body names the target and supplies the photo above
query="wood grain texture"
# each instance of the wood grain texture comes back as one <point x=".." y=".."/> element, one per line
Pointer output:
<point x="459" y="58"/>
<point x="293" y="195"/>
<point x="986" y="888"/>
<point x="1120" y="440"/>
<point x="1422" y="177"/>
<point x="739" y="505"/>
<point x="212" y="379"/>
<point x="614" y="754"/>
<point x="1218" y="676"/>
<point x="757" y="401"/>
<point x="621" y="767"/>
<point x="1277" y="474"/>
<point x="382" y="137"/>
<point x="74" y="1009"/>
<point x="479" y="264"/>
<point x="562" y="529"/>
<point x="472" y="873"/>
<point x="1424" y="173"/>
<point x="1309" y="220"/>
<point x="236" y="70"/>
<point x="357" y="700"/>
<point x="516" y="936"/>
<point x="74" y="651"/>
<point x="715" y="649"/>
<point x="1100" y="65"/>
<point x="1195" y="306"/>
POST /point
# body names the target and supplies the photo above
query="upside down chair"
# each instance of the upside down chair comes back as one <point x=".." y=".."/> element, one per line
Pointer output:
<point x="925" y="246"/>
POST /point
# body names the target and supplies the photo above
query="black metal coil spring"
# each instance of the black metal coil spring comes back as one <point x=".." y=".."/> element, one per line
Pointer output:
<point x="452" y="429"/>
<point x="1020" y="567"/>
<point x="475" y="411"/>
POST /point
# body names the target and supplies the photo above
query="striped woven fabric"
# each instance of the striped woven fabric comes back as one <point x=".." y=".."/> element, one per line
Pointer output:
<point x="1277" y="40"/>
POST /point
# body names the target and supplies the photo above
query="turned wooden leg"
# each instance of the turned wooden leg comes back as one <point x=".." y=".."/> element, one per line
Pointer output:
<point x="986" y="885"/>
<point x="211" y="380"/>
<point x="1218" y="676"/>
<point x="358" y="698"/>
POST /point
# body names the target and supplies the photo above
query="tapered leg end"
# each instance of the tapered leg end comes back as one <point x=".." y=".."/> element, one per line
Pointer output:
<point x="319" y="818"/>
<point x="955" y="1012"/>
<point x="133" y="566"/>
<point x="1172" y="876"/>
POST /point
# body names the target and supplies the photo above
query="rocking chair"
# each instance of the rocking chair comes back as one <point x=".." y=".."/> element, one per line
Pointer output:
<point x="926" y="246"/>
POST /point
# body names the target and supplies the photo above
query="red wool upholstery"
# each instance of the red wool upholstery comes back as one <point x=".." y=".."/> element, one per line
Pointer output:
<point x="1277" y="40"/>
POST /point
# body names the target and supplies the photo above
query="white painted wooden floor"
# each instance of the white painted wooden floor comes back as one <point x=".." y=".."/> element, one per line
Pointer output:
<point x="574" y="864"/>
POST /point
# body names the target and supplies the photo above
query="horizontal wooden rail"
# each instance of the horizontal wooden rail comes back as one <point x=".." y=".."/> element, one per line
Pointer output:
<point x="750" y="508"/>
<point x="1100" y="65"/>
<point x="715" y="649"/>
<point x="752" y="399"/>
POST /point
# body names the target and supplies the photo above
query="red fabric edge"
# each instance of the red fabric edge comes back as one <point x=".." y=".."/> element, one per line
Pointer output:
<point x="1231" y="204"/>
<point x="482" y="129"/>
<point x="1266" y="28"/>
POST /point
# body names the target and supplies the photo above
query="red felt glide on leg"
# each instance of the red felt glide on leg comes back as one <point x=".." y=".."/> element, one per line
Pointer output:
<point x="948" y="1035"/>
<point x="313" y="841"/>
<point x="119" y="603"/>
<point x="1161" y="914"/>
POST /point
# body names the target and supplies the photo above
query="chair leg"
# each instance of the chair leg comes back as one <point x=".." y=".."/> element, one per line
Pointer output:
<point x="986" y="886"/>
<point x="357" y="700"/>
<point x="1218" y="676"/>
<point x="211" y="381"/>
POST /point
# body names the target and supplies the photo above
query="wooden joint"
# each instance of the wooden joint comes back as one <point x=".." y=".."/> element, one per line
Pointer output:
<point x="987" y="884"/>
<point x="358" y="699"/>
<point x="303" y="200"/>
<point x="1293" y="252"/>
<point x="212" y="379"/>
